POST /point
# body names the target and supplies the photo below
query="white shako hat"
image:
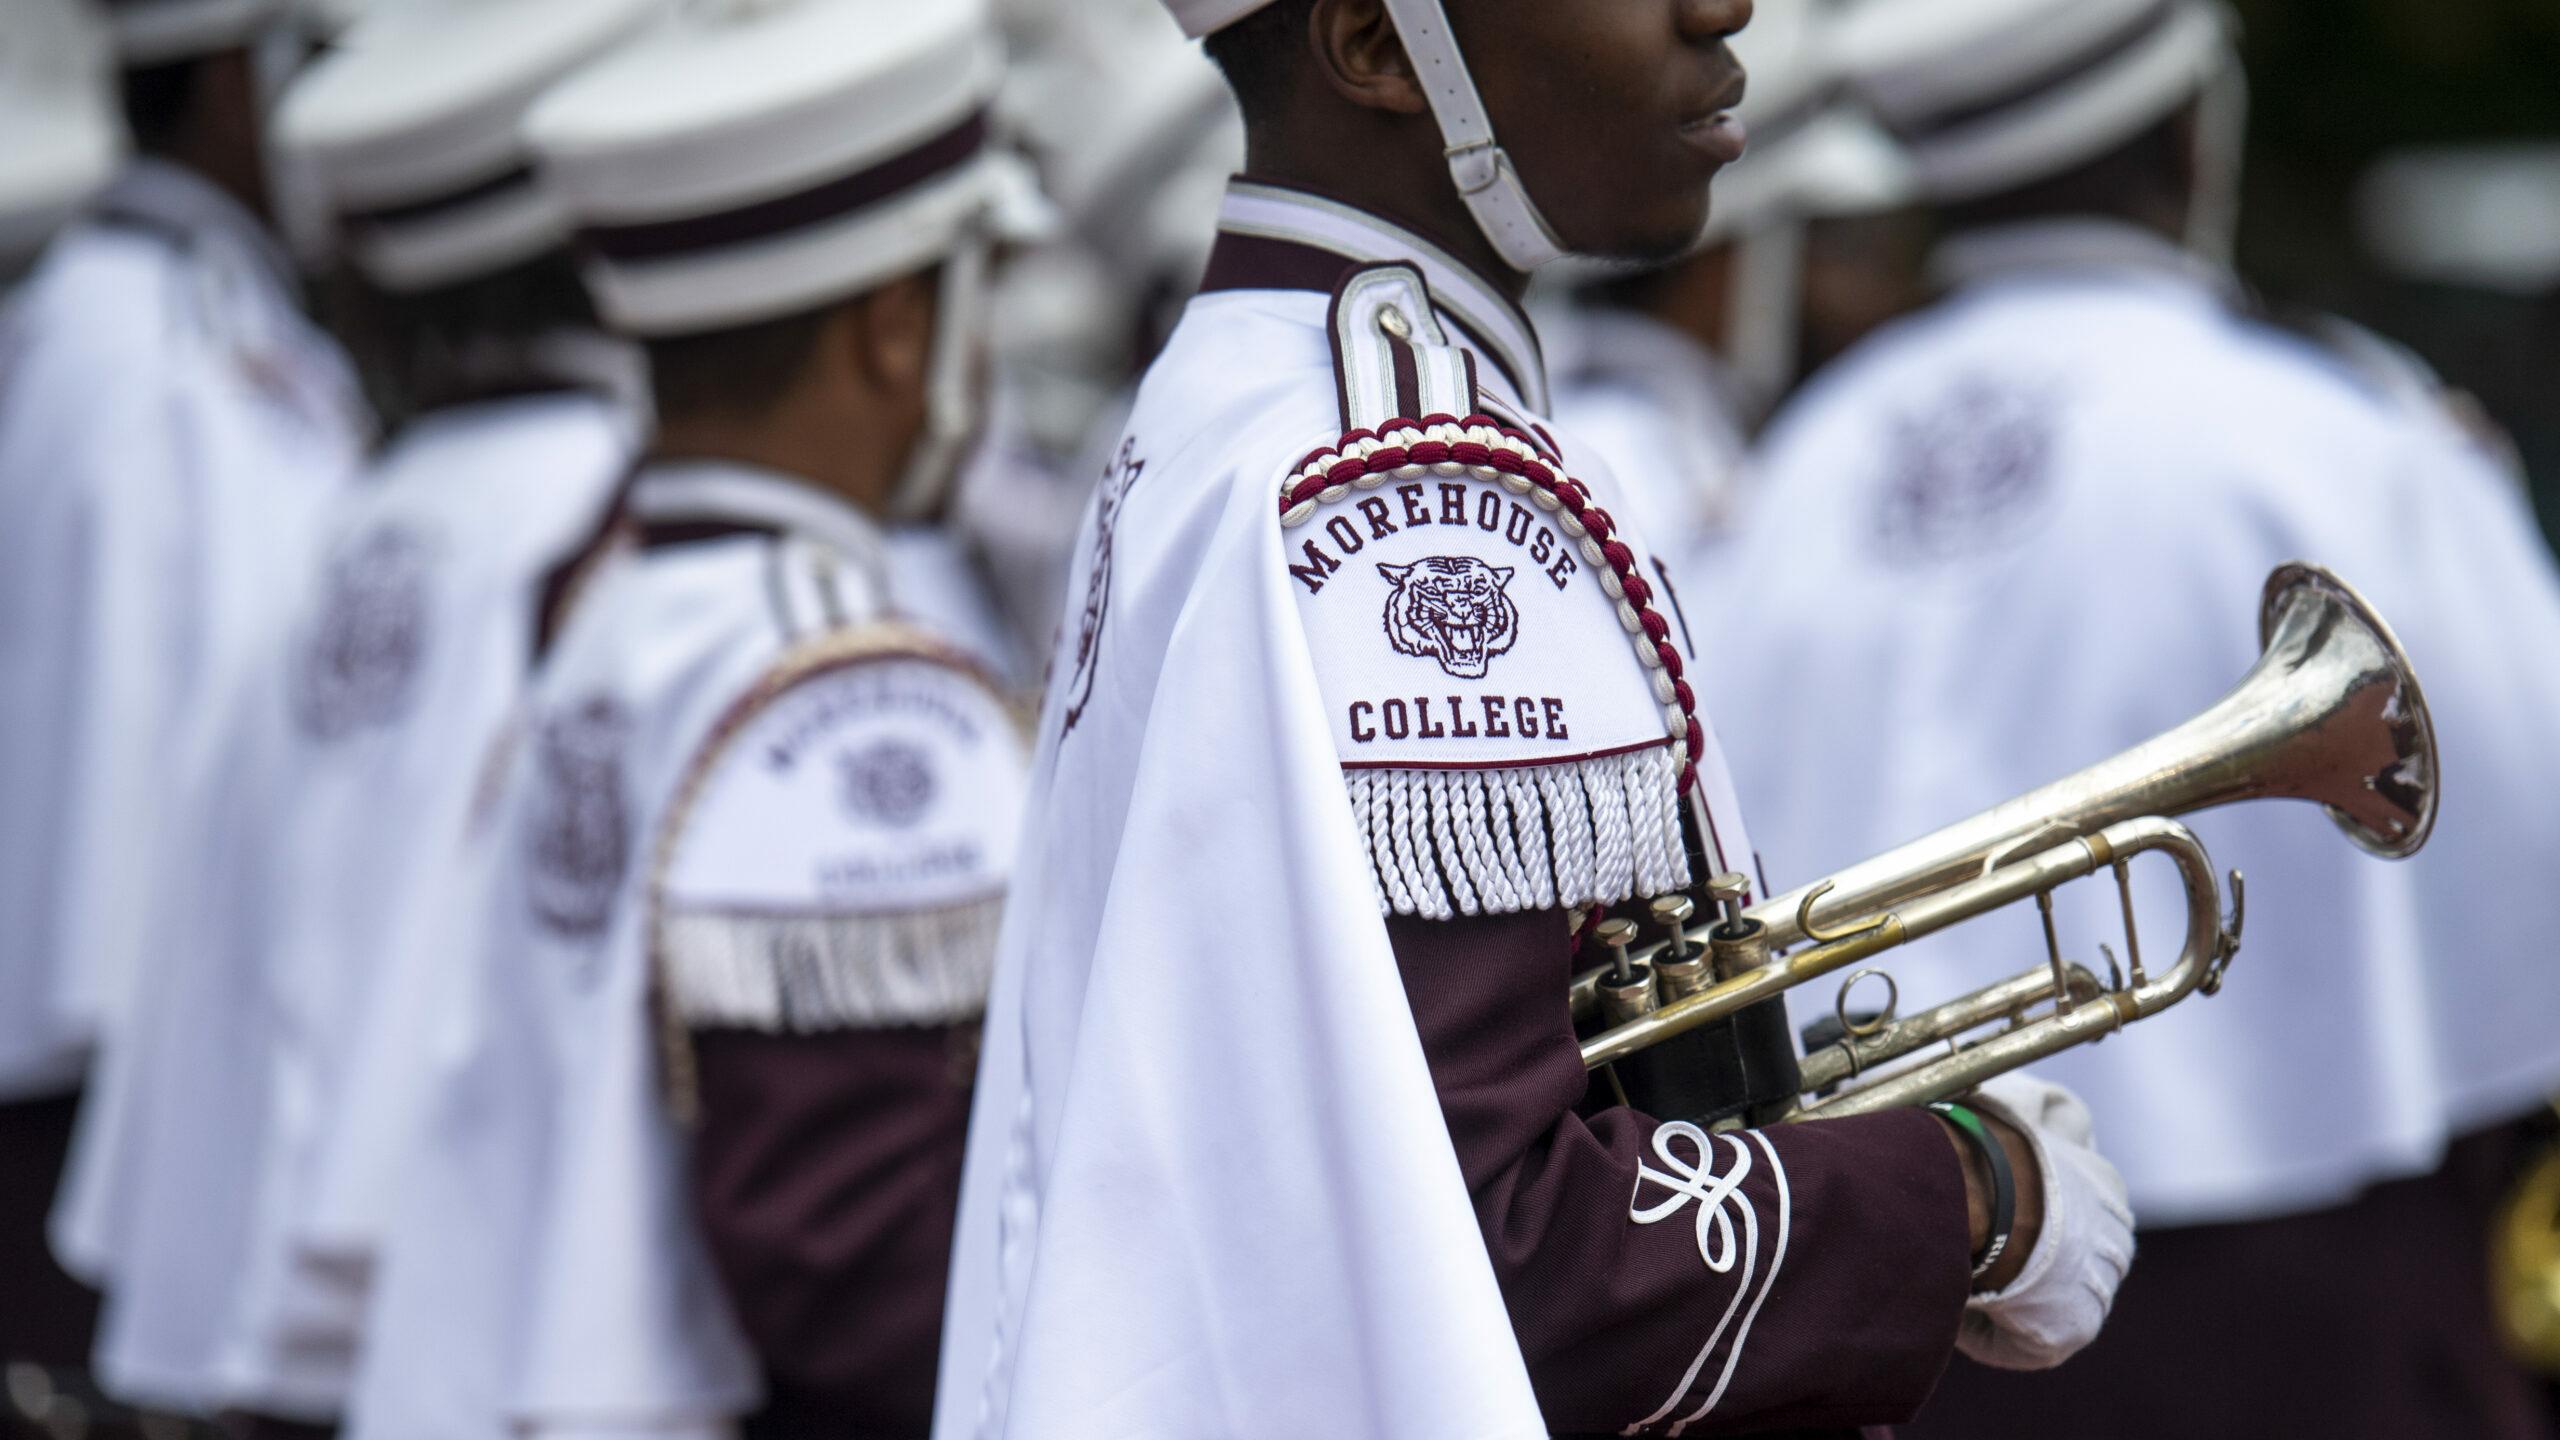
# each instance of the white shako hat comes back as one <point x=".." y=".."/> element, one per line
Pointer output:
<point x="1484" y="174"/>
<point x="58" y="110"/>
<point x="756" y="158"/>
<point x="158" y="32"/>
<point x="1989" y="95"/>
<point x="410" y="130"/>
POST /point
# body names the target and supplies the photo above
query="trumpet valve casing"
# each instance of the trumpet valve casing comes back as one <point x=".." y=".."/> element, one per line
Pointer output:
<point x="1628" y="999"/>
<point x="1738" y="947"/>
<point x="1684" y="977"/>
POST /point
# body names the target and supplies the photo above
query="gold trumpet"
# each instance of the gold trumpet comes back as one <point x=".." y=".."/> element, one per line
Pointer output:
<point x="2331" y="713"/>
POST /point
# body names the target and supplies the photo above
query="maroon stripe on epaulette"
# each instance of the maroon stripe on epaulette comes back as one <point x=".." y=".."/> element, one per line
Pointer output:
<point x="1408" y="376"/>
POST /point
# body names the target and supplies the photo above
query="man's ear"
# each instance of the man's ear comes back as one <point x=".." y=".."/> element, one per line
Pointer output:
<point x="1359" y="53"/>
<point x="890" y="332"/>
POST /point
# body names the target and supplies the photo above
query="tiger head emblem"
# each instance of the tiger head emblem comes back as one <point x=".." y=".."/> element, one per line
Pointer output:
<point x="1451" y="608"/>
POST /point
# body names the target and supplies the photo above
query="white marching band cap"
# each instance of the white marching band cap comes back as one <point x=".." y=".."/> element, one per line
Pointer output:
<point x="1989" y="95"/>
<point x="58" y="108"/>
<point x="757" y="158"/>
<point x="410" y="130"/>
<point x="1204" y="17"/>
<point x="157" y="32"/>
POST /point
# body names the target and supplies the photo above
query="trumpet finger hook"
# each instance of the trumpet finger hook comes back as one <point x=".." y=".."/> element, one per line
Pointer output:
<point x="1820" y="936"/>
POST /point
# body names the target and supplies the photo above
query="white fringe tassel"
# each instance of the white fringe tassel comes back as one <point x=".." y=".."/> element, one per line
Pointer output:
<point x="797" y="974"/>
<point x="1444" y="843"/>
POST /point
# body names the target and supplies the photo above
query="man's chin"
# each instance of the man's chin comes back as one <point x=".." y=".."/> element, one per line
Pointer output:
<point x="1654" y="244"/>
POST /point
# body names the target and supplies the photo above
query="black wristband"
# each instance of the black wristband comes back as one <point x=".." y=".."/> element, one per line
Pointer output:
<point x="2004" y="1189"/>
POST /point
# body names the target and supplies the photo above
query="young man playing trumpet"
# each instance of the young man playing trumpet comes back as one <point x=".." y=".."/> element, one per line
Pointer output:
<point x="1363" y="663"/>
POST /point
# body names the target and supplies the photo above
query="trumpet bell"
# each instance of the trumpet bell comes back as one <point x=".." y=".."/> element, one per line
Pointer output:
<point x="2363" y="746"/>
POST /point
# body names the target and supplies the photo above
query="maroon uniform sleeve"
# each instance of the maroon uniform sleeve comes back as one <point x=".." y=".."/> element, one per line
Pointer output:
<point x="826" y="1178"/>
<point x="1804" y="1276"/>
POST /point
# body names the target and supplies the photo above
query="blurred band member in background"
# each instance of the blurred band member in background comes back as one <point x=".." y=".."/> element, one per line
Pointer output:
<point x="2022" y="530"/>
<point x="58" y="108"/>
<point x="695" y="1147"/>
<point x="171" y="430"/>
<point x="347" y="760"/>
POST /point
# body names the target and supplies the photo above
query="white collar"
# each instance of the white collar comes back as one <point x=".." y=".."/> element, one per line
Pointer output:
<point x="1484" y="314"/>
<point x="683" y="490"/>
<point x="2083" y="244"/>
<point x="176" y="202"/>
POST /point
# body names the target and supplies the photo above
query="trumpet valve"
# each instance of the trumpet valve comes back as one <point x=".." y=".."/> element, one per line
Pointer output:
<point x="1672" y="913"/>
<point x="1681" y="970"/>
<point x="1627" y="990"/>
<point x="1727" y="892"/>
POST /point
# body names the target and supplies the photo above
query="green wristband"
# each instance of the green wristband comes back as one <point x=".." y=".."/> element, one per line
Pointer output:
<point x="2004" y="1190"/>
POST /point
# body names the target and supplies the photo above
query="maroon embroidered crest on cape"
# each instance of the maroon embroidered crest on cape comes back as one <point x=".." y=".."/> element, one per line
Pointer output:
<point x="358" y="666"/>
<point x="1116" y="484"/>
<point x="580" y="845"/>
<point x="1967" y="475"/>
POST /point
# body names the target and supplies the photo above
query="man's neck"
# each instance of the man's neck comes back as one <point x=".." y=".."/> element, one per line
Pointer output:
<point x="1391" y="177"/>
<point x="825" y="468"/>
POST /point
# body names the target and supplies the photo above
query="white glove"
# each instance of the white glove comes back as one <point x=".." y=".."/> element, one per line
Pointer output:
<point x="2059" y="1300"/>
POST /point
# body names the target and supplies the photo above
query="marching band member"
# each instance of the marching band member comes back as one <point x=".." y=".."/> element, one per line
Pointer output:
<point x="57" y="105"/>
<point x="349" y="762"/>
<point x="171" y="432"/>
<point x="1282" y="1128"/>
<point x="698" y="1145"/>
<point x="2021" y="524"/>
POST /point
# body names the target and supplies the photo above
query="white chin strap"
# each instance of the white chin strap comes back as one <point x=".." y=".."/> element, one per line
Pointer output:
<point x="2222" y="130"/>
<point x="951" y="391"/>
<point x="1484" y="174"/>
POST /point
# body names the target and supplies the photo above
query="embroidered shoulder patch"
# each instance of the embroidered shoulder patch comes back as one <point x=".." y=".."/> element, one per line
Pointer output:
<point x="838" y="852"/>
<point x="1508" y="707"/>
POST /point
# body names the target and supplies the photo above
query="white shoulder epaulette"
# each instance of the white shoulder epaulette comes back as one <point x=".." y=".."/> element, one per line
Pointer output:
<point x="837" y="852"/>
<point x="1508" y="707"/>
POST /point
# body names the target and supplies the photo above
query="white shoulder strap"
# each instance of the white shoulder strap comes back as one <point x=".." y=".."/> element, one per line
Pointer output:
<point x="1391" y="360"/>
